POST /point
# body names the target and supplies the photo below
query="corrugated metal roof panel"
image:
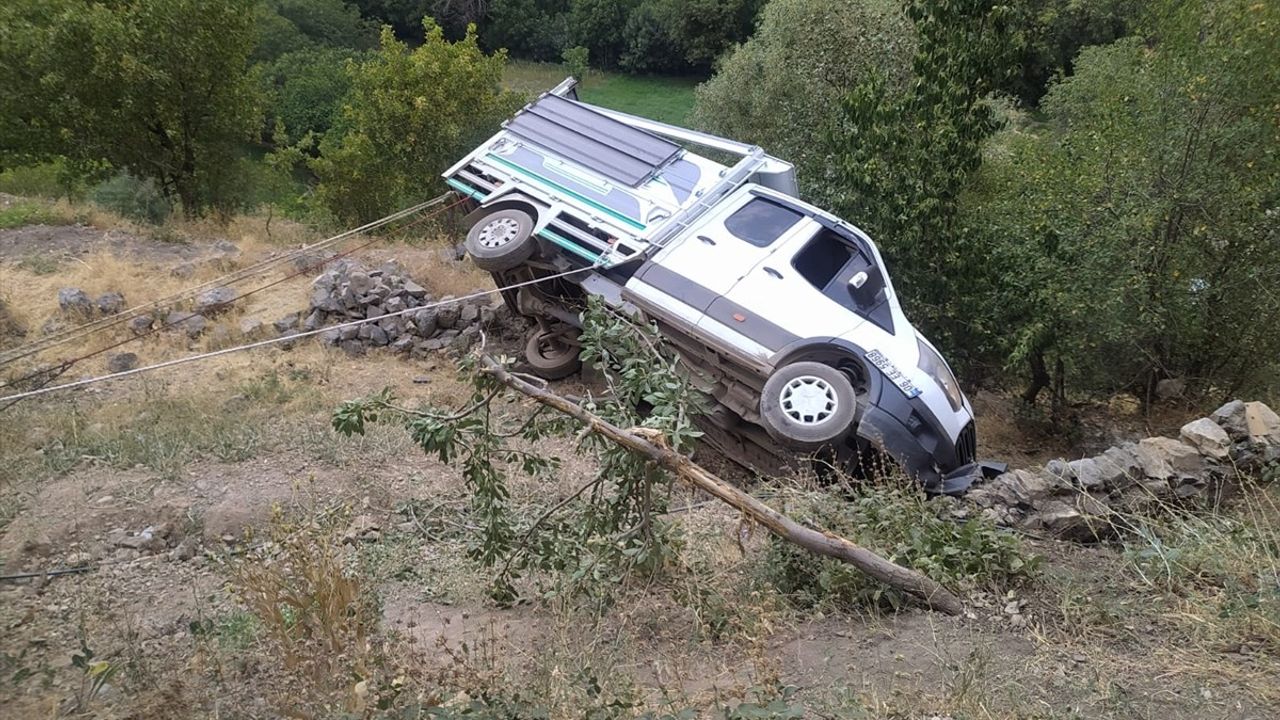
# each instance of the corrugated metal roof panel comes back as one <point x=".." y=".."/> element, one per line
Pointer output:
<point x="596" y="142"/>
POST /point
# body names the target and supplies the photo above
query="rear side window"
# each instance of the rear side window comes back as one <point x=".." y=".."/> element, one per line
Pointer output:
<point x="760" y="222"/>
<point x="822" y="259"/>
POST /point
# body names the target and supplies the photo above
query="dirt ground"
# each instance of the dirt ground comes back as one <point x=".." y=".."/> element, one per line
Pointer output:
<point x="152" y="490"/>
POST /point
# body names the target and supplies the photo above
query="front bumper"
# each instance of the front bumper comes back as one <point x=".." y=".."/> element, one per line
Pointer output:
<point x="906" y="431"/>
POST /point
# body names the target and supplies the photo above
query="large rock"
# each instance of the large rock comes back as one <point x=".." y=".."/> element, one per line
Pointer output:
<point x="74" y="300"/>
<point x="1119" y="466"/>
<point x="1207" y="437"/>
<point x="1087" y="474"/>
<point x="1231" y="418"/>
<point x="1164" y="458"/>
<point x="1261" y="423"/>
<point x="214" y="300"/>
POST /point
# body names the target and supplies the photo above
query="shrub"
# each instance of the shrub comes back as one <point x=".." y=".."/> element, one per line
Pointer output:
<point x="778" y="89"/>
<point x="410" y="114"/>
<point x="577" y="62"/>
<point x="904" y="528"/>
<point x="138" y="199"/>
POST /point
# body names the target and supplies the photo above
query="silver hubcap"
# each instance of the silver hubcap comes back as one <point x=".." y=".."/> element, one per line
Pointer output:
<point x="809" y="400"/>
<point x="499" y="232"/>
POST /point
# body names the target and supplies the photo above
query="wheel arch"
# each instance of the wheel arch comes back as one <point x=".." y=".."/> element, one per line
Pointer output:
<point x="840" y="354"/>
<point x="510" y="201"/>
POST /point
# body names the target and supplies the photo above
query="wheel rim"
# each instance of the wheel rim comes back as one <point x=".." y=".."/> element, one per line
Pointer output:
<point x="808" y="400"/>
<point x="498" y="232"/>
<point x="552" y="348"/>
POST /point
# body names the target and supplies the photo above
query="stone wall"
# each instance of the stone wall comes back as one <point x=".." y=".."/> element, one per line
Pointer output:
<point x="1079" y="499"/>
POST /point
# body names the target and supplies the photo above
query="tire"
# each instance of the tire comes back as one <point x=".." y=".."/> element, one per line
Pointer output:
<point x="501" y="240"/>
<point x="553" y="355"/>
<point x="807" y="405"/>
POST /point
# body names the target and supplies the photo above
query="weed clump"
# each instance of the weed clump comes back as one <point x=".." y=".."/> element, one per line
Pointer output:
<point x="903" y="527"/>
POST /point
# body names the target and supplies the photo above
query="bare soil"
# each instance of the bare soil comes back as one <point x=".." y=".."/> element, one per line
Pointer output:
<point x="140" y="609"/>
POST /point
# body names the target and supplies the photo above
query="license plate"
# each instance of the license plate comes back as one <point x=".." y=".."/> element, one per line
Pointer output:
<point x="891" y="371"/>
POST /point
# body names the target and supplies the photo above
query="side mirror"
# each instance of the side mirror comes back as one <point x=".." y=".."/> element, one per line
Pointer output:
<point x="866" y="285"/>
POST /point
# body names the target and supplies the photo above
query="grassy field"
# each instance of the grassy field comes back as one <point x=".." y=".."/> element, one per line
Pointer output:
<point x="664" y="98"/>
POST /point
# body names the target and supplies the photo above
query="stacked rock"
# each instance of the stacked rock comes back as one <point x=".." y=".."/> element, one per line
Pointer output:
<point x="406" y="317"/>
<point x="1078" y="499"/>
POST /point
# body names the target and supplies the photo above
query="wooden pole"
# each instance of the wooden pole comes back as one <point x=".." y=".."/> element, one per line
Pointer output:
<point x="927" y="591"/>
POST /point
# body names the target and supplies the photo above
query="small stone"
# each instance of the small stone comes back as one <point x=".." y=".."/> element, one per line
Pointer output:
<point x="141" y="324"/>
<point x="1164" y="458"/>
<point x="468" y="315"/>
<point x="359" y="282"/>
<point x="447" y="315"/>
<point x="286" y="323"/>
<point x="110" y="303"/>
<point x="182" y="271"/>
<point x="314" y="321"/>
<point x="378" y="336"/>
<point x="331" y="337"/>
<point x="425" y="322"/>
<point x="1086" y="473"/>
<point x="422" y="380"/>
<point x="353" y="348"/>
<point x="403" y="345"/>
<point x="393" y="305"/>
<point x="362" y="527"/>
<point x="251" y="327"/>
<point x="121" y="362"/>
<point x="1170" y="388"/>
<point x="214" y="300"/>
<point x="74" y="300"/>
<point x="288" y="340"/>
<point x="225" y="248"/>
<point x="1207" y="437"/>
<point x="413" y="289"/>
<point x="349" y="332"/>
<point x="195" y="326"/>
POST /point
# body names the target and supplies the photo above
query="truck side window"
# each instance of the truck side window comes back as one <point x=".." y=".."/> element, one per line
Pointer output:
<point x="821" y="259"/>
<point x="761" y="221"/>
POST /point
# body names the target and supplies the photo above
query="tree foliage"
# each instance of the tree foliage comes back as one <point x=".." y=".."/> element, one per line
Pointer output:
<point x="157" y="88"/>
<point x="1141" y="220"/>
<point x="904" y="155"/>
<point x="778" y="89"/>
<point x="410" y="114"/>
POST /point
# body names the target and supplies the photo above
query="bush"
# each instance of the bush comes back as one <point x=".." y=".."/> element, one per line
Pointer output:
<point x="305" y="89"/>
<point x="46" y="180"/>
<point x="904" y="528"/>
<point x="133" y="198"/>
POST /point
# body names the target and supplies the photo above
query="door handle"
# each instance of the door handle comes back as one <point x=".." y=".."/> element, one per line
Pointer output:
<point x="706" y="240"/>
<point x="773" y="272"/>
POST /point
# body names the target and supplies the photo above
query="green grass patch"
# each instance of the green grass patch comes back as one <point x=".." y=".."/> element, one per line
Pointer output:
<point x="21" y="214"/>
<point x="667" y="99"/>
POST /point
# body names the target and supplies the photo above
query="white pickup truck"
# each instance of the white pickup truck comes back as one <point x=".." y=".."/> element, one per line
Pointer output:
<point x="782" y="313"/>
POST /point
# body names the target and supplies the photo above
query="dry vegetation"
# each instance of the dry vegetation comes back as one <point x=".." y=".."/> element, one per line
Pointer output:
<point x="314" y="576"/>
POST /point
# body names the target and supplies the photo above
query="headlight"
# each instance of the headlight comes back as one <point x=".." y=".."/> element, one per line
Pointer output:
<point x="933" y="364"/>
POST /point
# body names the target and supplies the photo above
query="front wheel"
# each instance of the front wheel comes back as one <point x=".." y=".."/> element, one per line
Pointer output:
<point x="807" y="405"/>
<point x="552" y="353"/>
<point x="501" y="240"/>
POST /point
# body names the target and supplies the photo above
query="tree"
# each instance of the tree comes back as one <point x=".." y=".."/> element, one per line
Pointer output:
<point x="597" y="25"/>
<point x="903" y="155"/>
<point x="157" y="88"/>
<point x="304" y="89"/>
<point x="1142" y="217"/>
<point x="410" y="114"/>
<point x="778" y="89"/>
<point x="533" y="29"/>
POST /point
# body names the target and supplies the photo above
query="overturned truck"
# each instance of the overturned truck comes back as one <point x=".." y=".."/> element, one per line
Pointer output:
<point x="782" y="313"/>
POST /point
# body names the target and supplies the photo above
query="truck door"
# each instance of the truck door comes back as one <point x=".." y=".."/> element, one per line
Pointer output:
<point x="704" y="262"/>
<point x="803" y="290"/>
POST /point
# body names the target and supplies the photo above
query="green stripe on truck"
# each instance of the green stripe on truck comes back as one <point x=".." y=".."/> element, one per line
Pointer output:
<point x="567" y="191"/>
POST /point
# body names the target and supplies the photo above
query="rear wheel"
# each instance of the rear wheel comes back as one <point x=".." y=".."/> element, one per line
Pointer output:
<point x="501" y="240"/>
<point x="552" y="353"/>
<point x="807" y="405"/>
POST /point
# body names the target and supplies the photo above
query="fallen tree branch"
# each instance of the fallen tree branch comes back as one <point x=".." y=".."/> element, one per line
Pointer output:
<point x="927" y="591"/>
